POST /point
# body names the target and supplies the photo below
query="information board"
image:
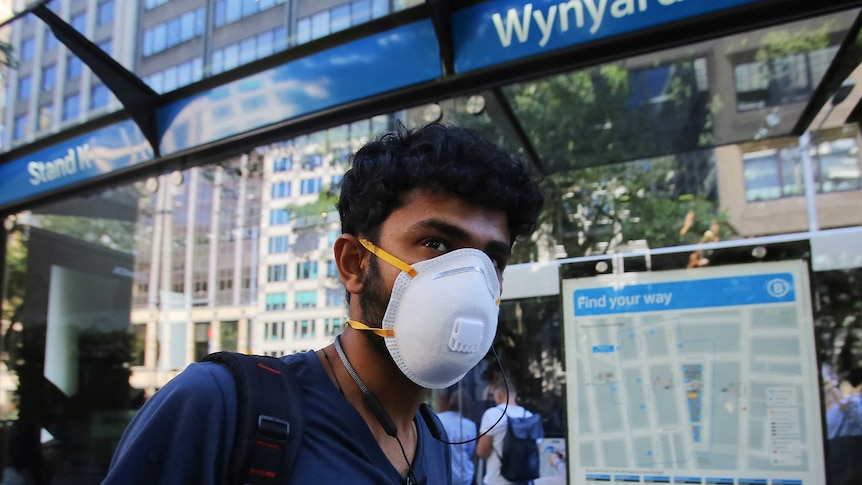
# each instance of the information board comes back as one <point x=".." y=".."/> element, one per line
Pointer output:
<point x="703" y="375"/>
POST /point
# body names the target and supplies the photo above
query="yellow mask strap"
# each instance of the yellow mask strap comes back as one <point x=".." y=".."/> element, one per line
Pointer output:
<point x="383" y="332"/>
<point x="388" y="258"/>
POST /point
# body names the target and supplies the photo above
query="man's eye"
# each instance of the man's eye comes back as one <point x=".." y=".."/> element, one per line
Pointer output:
<point x="436" y="244"/>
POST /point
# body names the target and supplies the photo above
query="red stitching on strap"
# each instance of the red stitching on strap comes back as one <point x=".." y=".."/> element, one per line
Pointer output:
<point x="255" y="471"/>
<point x="264" y="367"/>
<point x="268" y="445"/>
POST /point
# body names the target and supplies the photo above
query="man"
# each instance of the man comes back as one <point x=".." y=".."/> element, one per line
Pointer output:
<point x="440" y="201"/>
<point x="490" y="446"/>
<point x="460" y="429"/>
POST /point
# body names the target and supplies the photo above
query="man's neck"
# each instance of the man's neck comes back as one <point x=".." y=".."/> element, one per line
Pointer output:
<point x="399" y="396"/>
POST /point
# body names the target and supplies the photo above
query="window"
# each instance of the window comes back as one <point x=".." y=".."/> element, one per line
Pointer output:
<point x="282" y="164"/>
<point x="105" y="12"/>
<point x="154" y="3"/>
<point x="303" y="30"/>
<point x="202" y="339"/>
<point x="777" y="173"/>
<point x="305" y="299"/>
<point x="309" y="162"/>
<point x="310" y="186"/>
<point x="79" y="22"/>
<point x="334" y="297"/>
<point x="107" y="46"/>
<point x="176" y="76"/>
<point x="273" y="331"/>
<point x="28" y="49"/>
<point x="228" y="11"/>
<point x="772" y="174"/>
<point x="331" y="269"/>
<point x="303" y="329"/>
<point x="231" y="56"/>
<point x="278" y="244"/>
<point x="20" y="127"/>
<point x="276" y="272"/>
<point x="783" y="80"/>
<point x="360" y="11"/>
<point x="276" y="301"/>
<point x="333" y="326"/>
<point x="74" y="66"/>
<point x="184" y="74"/>
<point x="837" y="165"/>
<point x="173" y="32"/>
<point x="265" y="44"/>
<point x="339" y="18"/>
<point x="320" y="24"/>
<point x="247" y="50"/>
<point x="170" y="82"/>
<point x="24" y="87"/>
<point x="278" y="217"/>
<point x="306" y="270"/>
<point x="188" y="26"/>
<point x="280" y="190"/>
<point x="49" y="77"/>
<point x="71" y="107"/>
<point x="50" y="41"/>
<point x="99" y="96"/>
<point x="228" y="335"/>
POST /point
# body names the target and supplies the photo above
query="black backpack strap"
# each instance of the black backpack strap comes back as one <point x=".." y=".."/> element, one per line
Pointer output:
<point x="269" y="423"/>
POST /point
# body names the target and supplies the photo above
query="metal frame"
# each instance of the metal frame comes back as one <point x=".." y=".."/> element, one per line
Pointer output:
<point x="141" y="102"/>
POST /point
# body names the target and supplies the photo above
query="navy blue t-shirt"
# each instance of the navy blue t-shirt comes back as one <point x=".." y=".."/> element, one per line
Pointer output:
<point x="185" y="433"/>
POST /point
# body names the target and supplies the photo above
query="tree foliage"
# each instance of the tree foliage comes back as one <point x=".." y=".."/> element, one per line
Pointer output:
<point x="622" y="155"/>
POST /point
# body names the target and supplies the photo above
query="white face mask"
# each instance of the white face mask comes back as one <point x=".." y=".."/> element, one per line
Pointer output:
<point x="442" y="315"/>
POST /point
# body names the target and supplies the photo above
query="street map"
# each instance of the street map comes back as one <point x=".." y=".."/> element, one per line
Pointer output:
<point x="700" y="376"/>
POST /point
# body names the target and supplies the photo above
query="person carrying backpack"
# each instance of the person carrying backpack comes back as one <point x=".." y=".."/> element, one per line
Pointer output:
<point x="511" y="449"/>
<point x="427" y="216"/>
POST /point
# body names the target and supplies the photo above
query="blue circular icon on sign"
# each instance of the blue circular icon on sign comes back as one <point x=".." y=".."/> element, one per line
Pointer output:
<point x="778" y="287"/>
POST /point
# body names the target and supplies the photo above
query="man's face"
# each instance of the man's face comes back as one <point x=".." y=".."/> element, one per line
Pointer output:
<point x="425" y="226"/>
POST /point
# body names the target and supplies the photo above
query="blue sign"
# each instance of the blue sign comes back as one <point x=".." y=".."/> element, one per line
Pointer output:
<point x="683" y="295"/>
<point x="99" y="152"/>
<point x="390" y="60"/>
<point x="504" y="30"/>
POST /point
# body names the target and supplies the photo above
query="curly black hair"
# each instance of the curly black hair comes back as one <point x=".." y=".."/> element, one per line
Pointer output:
<point x="438" y="158"/>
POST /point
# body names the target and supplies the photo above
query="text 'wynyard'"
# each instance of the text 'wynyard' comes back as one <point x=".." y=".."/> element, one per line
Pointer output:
<point x="577" y="14"/>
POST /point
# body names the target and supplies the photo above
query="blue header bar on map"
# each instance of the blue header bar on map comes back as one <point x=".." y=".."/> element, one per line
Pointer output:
<point x="493" y="32"/>
<point x="683" y="295"/>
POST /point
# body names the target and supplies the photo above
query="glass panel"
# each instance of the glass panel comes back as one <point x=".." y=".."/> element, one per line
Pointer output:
<point x="643" y="153"/>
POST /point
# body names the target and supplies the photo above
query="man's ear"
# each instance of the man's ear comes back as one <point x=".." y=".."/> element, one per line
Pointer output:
<point x="352" y="261"/>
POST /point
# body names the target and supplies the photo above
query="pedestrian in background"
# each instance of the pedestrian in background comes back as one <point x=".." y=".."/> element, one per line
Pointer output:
<point x="460" y="429"/>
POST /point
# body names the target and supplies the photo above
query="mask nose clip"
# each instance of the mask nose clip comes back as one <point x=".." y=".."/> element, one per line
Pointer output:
<point x="466" y="335"/>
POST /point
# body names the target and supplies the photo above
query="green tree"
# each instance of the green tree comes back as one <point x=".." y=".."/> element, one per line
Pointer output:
<point x="620" y="161"/>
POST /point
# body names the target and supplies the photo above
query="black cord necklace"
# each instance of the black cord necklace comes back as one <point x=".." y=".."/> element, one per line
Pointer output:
<point x="334" y="376"/>
<point x="376" y="408"/>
